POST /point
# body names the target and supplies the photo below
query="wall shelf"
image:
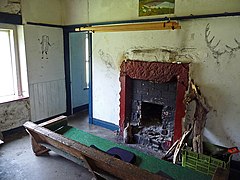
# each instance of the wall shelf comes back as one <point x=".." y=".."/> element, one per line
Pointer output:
<point x="132" y="27"/>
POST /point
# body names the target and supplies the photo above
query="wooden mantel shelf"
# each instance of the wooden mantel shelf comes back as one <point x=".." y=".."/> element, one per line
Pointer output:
<point x="132" y="27"/>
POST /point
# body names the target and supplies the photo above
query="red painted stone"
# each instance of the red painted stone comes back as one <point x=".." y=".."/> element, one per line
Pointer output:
<point x="158" y="72"/>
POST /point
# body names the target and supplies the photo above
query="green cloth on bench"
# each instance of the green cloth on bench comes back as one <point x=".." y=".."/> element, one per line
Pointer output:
<point x="144" y="161"/>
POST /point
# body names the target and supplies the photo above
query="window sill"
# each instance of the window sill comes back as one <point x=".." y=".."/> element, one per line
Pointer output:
<point x="11" y="99"/>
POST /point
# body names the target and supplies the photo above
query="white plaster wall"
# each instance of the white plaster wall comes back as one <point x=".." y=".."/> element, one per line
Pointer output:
<point x="112" y="10"/>
<point x="197" y="7"/>
<point x="90" y="11"/>
<point x="105" y="83"/>
<point x="75" y="12"/>
<point x="216" y="77"/>
<point x="11" y="7"/>
<point x="44" y="11"/>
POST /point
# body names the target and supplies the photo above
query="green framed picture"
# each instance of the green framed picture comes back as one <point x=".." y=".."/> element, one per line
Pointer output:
<point x="156" y="7"/>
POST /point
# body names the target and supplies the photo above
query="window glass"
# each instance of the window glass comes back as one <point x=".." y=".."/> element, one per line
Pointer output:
<point x="13" y="72"/>
<point x="7" y="64"/>
<point x="87" y="61"/>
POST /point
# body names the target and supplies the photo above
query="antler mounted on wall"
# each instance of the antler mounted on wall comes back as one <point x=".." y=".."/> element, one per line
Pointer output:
<point x="213" y="46"/>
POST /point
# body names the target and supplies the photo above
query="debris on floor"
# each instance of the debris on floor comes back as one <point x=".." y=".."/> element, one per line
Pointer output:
<point x="190" y="150"/>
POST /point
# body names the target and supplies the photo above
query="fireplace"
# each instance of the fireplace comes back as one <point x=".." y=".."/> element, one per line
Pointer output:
<point x="151" y="101"/>
<point x="151" y="114"/>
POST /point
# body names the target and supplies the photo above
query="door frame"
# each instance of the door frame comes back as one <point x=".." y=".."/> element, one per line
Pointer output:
<point x="67" y="67"/>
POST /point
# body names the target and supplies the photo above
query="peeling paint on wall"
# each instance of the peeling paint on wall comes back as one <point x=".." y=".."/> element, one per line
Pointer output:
<point x="163" y="54"/>
<point x="14" y="114"/>
<point x="10" y="6"/>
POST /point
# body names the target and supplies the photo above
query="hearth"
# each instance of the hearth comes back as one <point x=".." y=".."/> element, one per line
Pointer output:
<point x="152" y="117"/>
<point x="151" y="102"/>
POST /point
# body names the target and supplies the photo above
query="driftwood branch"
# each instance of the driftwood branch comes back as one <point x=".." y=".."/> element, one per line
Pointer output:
<point x="200" y="116"/>
<point x="180" y="145"/>
<point x="171" y="150"/>
<point x="175" y="149"/>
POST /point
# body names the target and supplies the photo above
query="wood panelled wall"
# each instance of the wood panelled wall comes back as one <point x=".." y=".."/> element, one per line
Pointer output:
<point x="47" y="99"/>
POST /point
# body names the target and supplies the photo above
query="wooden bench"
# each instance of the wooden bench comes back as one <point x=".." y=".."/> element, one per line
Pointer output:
<point x="44" y="138"/>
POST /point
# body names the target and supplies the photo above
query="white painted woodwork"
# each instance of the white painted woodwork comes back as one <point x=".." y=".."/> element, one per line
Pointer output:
<point x="47" y="99"/>
<point x="46" y="75"/>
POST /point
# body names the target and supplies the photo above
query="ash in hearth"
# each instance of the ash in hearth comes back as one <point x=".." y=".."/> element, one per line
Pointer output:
<point x="158" y="138"/>
<point x="155" y="127"/>
<point x="152" y="116"/>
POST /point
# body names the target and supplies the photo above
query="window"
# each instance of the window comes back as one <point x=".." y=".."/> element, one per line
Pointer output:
<point x="87" y="60"/>
<point x="13" y="75"/>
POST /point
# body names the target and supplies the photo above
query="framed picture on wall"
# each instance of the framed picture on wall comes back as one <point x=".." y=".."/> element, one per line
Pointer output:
<point x="156" y="7"/>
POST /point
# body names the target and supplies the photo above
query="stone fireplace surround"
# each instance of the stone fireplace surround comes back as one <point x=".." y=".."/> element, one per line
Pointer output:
<point x="157" y="72"/>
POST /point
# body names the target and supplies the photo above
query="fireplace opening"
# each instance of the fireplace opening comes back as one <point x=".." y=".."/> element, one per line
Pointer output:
<point x="151" y="114"/>
<point x="155" y="129"/>
<point x="151" y="103"/>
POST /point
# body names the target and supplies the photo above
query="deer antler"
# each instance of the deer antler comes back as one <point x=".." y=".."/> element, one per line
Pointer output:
<point x="212" y="48"/>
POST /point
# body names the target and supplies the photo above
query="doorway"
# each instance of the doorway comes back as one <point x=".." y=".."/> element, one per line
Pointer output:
<point x="79" y="70"/>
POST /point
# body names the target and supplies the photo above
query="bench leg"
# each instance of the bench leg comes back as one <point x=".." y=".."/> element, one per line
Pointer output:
<point x="37" y="148"/>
